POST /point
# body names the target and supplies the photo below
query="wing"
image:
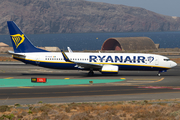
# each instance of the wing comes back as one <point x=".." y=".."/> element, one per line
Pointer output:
<point x="81" y="65"/>
<point x="85" y="65"/>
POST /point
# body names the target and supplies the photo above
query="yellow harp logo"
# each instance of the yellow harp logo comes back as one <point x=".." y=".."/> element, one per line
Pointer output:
<point x="18" y="39"/>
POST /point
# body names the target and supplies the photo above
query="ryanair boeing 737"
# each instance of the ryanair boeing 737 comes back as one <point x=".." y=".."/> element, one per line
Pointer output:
<point x="106" y="63"/>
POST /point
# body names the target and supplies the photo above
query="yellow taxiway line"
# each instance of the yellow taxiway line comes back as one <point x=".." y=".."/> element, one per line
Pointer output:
<point x="8" y="78"/>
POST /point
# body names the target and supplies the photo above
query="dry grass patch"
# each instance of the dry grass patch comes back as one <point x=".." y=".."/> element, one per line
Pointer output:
<point x="6" y="59"/>
<point x="127" y="110"/>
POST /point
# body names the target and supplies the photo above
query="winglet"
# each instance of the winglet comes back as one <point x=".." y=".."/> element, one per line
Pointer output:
<point x="65" y="56"/>
<point x="69" y="49"/>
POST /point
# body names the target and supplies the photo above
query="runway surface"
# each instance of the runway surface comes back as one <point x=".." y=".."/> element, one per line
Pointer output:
<point x="138" y="85"/>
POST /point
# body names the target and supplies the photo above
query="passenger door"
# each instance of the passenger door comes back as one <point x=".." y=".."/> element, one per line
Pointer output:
<point x="37" y="60"/>
<point x="157" y="61"/>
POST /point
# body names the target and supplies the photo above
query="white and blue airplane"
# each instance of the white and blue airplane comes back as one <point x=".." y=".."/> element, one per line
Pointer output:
<point x="106" y="63"/>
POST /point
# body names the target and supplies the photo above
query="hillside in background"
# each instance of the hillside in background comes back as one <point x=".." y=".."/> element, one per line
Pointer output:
<point x="79" y="16"/>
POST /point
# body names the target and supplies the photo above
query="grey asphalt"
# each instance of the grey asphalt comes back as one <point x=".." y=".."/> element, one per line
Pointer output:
<point x="126" y="90"/>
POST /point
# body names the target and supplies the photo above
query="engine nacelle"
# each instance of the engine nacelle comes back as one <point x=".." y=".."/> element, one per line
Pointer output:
<point x="110" y="69"/>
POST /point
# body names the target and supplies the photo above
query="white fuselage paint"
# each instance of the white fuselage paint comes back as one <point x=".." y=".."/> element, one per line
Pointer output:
<point x="130" y="59"/>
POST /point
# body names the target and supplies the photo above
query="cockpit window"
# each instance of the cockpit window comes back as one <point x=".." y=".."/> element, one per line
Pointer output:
<point x="166" y="59"/>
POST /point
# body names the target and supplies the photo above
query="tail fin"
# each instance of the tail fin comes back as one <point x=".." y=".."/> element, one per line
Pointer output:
<point x="20" y="42"/>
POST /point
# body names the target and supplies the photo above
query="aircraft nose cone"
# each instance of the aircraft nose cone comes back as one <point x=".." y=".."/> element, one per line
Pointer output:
<point x="173" y="64"/>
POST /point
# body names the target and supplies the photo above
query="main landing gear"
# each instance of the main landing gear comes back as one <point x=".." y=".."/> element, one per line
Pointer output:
<point x="91" y="73"/>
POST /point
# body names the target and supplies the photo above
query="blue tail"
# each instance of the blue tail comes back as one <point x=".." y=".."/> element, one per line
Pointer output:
<point x="20" y="42"/>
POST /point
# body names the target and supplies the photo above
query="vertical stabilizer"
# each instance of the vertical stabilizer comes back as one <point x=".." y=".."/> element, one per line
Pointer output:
<point x="20" y="42"/>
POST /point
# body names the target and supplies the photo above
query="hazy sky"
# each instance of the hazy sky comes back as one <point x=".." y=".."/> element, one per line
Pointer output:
<point x="165" y="7"/>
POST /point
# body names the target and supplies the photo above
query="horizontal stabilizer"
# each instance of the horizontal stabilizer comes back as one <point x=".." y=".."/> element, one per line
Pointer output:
<point x="17" y="54"/>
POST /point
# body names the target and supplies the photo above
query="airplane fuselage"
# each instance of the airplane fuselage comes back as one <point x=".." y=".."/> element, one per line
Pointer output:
<point x="124" y="61"/>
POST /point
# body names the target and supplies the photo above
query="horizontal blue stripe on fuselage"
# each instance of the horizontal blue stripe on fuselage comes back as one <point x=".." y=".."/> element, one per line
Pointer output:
<point x="69" y="66"/>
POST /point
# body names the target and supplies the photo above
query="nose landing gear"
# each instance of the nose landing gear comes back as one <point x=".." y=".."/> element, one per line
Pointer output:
<point x="159" y="73"/>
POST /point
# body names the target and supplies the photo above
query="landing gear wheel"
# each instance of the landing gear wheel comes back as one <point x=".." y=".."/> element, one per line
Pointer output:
<point x="91" y="73"/>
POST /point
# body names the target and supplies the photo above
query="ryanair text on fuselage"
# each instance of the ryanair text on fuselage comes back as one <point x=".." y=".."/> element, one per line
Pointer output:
<point x="115" y="59"/>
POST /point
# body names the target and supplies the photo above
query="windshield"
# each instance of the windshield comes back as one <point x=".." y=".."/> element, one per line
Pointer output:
<point x="166" y="59"/>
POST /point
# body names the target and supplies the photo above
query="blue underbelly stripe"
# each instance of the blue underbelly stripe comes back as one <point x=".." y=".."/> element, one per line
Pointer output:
<point x="65" y="65"/>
